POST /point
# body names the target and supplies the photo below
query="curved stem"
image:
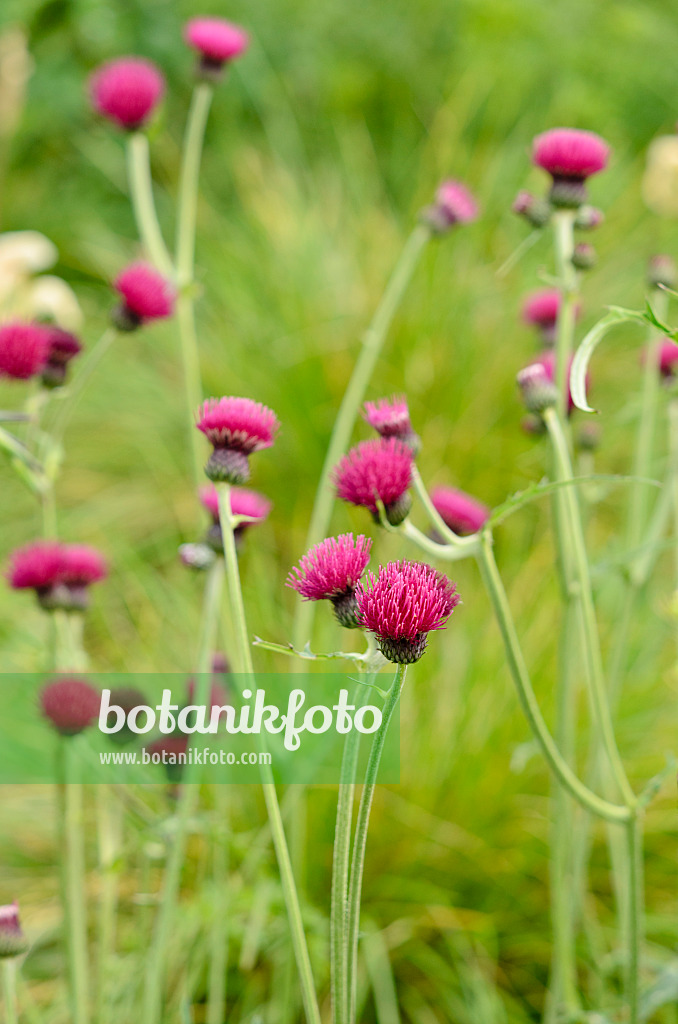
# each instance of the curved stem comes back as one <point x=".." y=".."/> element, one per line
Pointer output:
<point x="516" y="662"/>
<point x="188" y="798"/>
<point x="592" y="652"/>
<point x="287" y="882"/>
<point x="443" y="552"/>
<point x="141" y="193"/>
<point x="360" y="840"/>
<point x="453" y="539"/>
<point x="354" y="395"/>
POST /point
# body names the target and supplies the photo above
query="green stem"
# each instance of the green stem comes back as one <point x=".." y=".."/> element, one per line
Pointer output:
<point x="188" y="799"/>
<point x="373" y="342"/>
<point x="673" y="458"/>
<point x="270" y="796"/>
<point x="339" y="949"/>
<point x="563" y="229"/>
<point x="9" y="991"/>
<point x="185" y="257"/>
<point x="635" y="908"/>
<point x="592" y="653"/>
<point x="141" y="193"/>
<point x="109" y="823"/>
<point x="516" y="663"/>
<point x="73" y="866"/>
<point x="360" y="840"/>
<point x="219" y="931"/>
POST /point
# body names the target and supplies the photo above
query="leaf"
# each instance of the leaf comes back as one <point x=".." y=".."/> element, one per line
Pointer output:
<point x="307" y="654"/>
<point x="582" y="358"/>
<point x="538" y="490"/>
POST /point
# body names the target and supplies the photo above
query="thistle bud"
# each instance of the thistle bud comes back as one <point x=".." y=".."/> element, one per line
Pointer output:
<point x="661" y="272"/>
<point x="538" y="390"/>
<point x="588" y="218"/>
<point x="535" y="211"/>
<point x="584" y="256"/>
<point x="13" y="942"/>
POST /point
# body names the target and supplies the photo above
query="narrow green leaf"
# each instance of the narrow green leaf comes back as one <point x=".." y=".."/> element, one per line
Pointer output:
<point x="614" y="316"/>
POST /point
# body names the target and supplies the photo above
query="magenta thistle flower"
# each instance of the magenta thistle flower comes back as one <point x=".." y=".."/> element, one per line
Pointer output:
<point x="390" y="417"/>
<point x="127" y="91"/>
<point x="402" y="604"/>
<point x="13" y="942"/>
<point x="235" y="427"/>
<point x="60" y="574"/>
<point x="462" y="513"/>
<point x="244" y="502"/>
<point x="331" y="571"/>
<point x="24" y="349"/>
<point x="146" y="296"/>
<point x="570" y="156"/>
<point x="540" y="309"/>
<point x="374" y="472"/>
<point x="63" y="346"/>
<point x="667" y="358"/>
<point x="454" y="204"/>
<point x="70" y="704"/>
<point x="217" y="41"/>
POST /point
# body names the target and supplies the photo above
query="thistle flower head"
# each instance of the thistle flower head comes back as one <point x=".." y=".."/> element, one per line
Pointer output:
<point x="570" y="153"/>
<point x="668" y="358"/>
<point x="24" y="349"/>
<point x="146" y="296"/>
<point x="462" y="513"/>
<point x="454" y="204"/>
<point x="127" y="91"/>
<point x="13" y="942"/>
<point x="63" y="346"/>
<point x="216" y="40"/>
<point x="70" y="704"/>
<point x="331" y="571"/>
<point x="60" y="574"/>
<point x="390" y="417"/>
<point x="235" y="427"/>
<point x="541" y="307"/>
<point x="402" y="604"/>
<point x="377" y="471"/>
<point x="35" y="566"/>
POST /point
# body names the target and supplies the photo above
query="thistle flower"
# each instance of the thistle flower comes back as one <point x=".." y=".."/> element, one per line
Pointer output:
<point x="60" y="574"/>
<point x="244" y="502"/>
<point x="146" y="296"/>
<point x="235" y="427"/>
<point x="541" y="308"/>
<point x="127" y="91"/>
<point x="70" y="704"/>
<point x="63" y="346"/>
<point x="454" y="204"/>
<point x="13" y="942"/>
<point x="667" y="358"/>
<point x="462" y="513"/>
<point x="217" y="42"/>
<point x="570" y="157"/>
<point x="537" y="383"/>
<point x="374" y="472"/>
<point x="402" y="604"/>
<point x="390" y="417"/>
<point x="536" y="212"/>
<point x="24" y="349"/>
<point x="331" y="571"/>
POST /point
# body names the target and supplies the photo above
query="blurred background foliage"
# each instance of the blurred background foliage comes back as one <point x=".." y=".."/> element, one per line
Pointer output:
<point x="322" y="146"/>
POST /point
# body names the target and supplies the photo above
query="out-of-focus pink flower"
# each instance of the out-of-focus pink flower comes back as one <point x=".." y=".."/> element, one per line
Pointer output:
<point x="570" y="153"/>
<point x="454" y="204"/>
<point x="70" y="704"/>
<point x="24" y="348"/>
<point x="402" y="604"/>
<point x="235" y="427"/>
<point x="146" y="296"/>
<point x="63" y="347"/>
<point x="390" y="417"/>
<point x="13" y="942"/>
<point x="216" y="40"/>
<point x="127" y="91"/>
<point x="458" y="510"/>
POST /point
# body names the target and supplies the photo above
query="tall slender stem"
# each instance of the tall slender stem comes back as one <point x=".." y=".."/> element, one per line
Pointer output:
<point x="188" y="798"/>
<point x="218" y="945"/>
<point x="587" y="798"/>
<point x="109" y="824"/>
<point x="185" y="256"/>
<point x="354" y="395"/>
<point x="73" y="866"/>
<point x="360" y="840"/>
<point x="270" y="796"/>
<point x="9" y="969"/>
<point x="339" y="939"/>
<point x="635" y="903"/>
<point x="592" y="653"/>
<point x="563" y="228"/>
<point x="141" y="192"/>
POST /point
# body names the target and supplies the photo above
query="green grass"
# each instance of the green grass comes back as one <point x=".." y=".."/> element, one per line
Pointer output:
<point x="323" y="145"/>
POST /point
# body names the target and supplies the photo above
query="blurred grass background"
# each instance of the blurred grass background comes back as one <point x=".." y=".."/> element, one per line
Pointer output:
<point x="323" y="144"/>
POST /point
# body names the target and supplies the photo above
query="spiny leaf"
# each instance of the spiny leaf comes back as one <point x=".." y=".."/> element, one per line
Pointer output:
<point x="538" y="490"/>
